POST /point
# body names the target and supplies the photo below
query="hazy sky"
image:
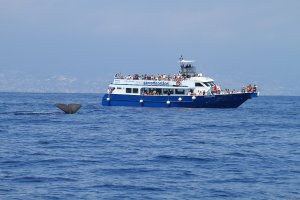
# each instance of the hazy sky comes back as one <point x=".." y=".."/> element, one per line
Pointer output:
<point x="77" y="46"/>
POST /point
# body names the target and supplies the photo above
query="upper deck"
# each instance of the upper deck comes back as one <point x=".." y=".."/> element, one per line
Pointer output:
<point x="144" y="82"/>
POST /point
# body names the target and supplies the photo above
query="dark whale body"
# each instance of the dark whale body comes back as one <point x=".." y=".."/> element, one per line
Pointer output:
<point x="68" y="108"/>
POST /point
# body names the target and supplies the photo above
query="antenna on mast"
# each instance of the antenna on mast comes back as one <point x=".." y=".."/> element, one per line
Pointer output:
<point x="181" y="58"/>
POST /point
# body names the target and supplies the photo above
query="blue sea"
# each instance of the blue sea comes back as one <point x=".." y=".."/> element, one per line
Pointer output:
<point x="252" y="152"/>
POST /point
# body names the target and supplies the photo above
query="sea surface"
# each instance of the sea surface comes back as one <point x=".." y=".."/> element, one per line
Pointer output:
<point x="252" y="152"/>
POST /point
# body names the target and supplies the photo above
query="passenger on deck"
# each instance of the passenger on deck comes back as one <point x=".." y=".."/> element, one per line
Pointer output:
<point x="243" y="89"/>
<point x="254" y="88"/>
<point x="249" y="88"/>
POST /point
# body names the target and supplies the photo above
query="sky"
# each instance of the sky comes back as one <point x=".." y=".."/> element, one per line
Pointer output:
<point x="78" y="45"/>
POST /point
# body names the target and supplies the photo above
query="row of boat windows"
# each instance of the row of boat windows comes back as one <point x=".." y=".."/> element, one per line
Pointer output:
<point x="208" y="84"/>
<point x="159" y="91"/>
<point x="132" y="90"/>
<point x="155" y="91"/>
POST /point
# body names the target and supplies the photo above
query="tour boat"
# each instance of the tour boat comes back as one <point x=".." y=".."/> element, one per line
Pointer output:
<point x="187" y="89"/>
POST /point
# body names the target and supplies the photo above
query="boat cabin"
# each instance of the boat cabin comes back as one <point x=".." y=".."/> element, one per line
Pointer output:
<point x="149" y="90"/>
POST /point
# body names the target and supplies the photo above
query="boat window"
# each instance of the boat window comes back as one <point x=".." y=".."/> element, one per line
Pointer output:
<point x="158" y="91"/>
<point x="166" y="91"/>
<point x="179" y="91"/>
<point x="135" y="90"/>
<point x="128" y="90"/>
<point x="207" y="84"/>
<point x="197" y="84"/>
<point x="119" y="88"/>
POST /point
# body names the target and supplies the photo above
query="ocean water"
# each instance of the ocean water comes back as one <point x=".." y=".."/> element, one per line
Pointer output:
<point x="252" y="152"/>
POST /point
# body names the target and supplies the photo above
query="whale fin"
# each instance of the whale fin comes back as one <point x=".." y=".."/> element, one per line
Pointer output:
<point x="68" y="108"/>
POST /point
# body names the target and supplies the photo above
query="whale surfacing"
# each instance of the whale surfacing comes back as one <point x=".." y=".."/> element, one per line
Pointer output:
<point x="68" y="108"/>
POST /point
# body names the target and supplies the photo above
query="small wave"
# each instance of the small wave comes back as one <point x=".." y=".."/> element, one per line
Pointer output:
<point x="19" y="163"/>
<point x="3" y="131"/>
<point x="12" y="163"/>
<point x="34" y="179"/>
<point x="51" y="161"/>
<point x="236" y="154"/>
<point x="183" y="158"/>
<point x="6" y="190"/>
<point x="30" y="179"/>
<point x="128" y="171"/>
<point x="50" y="197"/>
<point x="44" y="142"/>
<point x="235" y="180"/>
<point x="128" y="187"/>
<point x="35" y="113"/>
<point x="6" y="113"/>
<point x="223" y="193"/>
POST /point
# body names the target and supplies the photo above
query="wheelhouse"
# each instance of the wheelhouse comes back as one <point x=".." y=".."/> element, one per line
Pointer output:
<point x="187" y="69"/>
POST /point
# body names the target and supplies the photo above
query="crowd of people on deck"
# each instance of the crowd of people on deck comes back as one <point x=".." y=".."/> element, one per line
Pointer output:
<point x="249" y="88"/>
<point x="215" y="90"/>
<point x="158" y="77"/>
<point x="151" y="93"/>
